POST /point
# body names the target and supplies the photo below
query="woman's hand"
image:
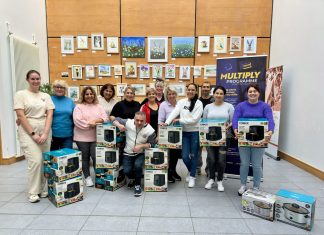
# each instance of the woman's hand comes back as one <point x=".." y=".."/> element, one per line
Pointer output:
<point x="121" y="127"/>
<point x="137" y="149"/>
<point x="268" y="136"/>
<point x="228" y="126"/>
<point x="92" y="124"/>
<point x="163" y="124"/>
<point x="236" y="134"/>
<point x="175" y="120"/>
<point x="42" y="138"/>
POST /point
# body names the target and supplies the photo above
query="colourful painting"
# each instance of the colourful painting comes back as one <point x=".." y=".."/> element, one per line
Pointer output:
<point x="144" y="71"/>
<point x="203" y="43"/>
<point x="250" y="45"/>
<point x="133" y="47"/>
<point x="104" y="70"/>
<point x="184" y="72"/>
<point x="220" y="44"/>
<point x="130" y="69"/>
<point x="157" y="70"/>
<point x="157" y="49"/>
<point x="183" y="47"/>
<point x="170" y="70"/>
<point x="235" y="43"/>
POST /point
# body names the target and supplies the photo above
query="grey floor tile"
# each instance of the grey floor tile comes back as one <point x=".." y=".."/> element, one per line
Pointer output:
<point x="165" y="199"/>
<point x="159" y="233"/>
<point x="215" y="212"/>
<point x="16" y="221"/>
<point x="92" y="195"/>
<point x="318" y="228"/>
<point x="10" y="231"/>
<point x="114" y="224"/>
<point x="14" y="181"/>
<point x="53" y="222"/>
<point x="23" y="208"/>
<point x="209" y="201"/>
<point x="170" y="225"/>
<point x="72" y="209"/>
<point x="105" y="233"/>
<point x="48" y="232"/>
<point x="127" y="198"/>
<point x="119" y="209"/>
<point x="204" y="192"/>
<point x="5" y="197"/>
<point x="220" y="225"/>
<point x="23" y="197"/>
<point x="7" y="188"/>
<point x="165" y="211"/>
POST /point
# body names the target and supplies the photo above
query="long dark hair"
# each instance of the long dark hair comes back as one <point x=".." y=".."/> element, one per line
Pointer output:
<point x="195" y="98"/>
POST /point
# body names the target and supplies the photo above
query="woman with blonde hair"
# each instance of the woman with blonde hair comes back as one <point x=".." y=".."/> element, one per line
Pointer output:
<point x="151" y="108"/>
<point x="159" y="88"/>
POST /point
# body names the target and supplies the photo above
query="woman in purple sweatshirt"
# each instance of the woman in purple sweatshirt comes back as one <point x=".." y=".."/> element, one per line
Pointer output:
<point x="252" y="108"/>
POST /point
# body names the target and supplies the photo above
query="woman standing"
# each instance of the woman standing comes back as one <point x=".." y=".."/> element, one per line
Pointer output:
<point x="190" y="110"/>
<point x="252" y="108"/>
<point x="216" y="156"/>
<point x="86" y="116"/>
<point x="159" y="88"/>
<point x="34" y="111"/>
<point x="151" y="109"/>
<point x="106" y="98"/>
<point x="62" y="126"/>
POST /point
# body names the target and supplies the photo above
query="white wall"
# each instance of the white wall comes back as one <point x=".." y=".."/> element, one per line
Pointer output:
<point x="26" y="18"/>
<point x="297" y="42"/>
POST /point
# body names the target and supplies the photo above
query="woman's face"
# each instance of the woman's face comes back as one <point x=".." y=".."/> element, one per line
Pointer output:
<point x="159" y="88"/>
<point x="219" y="95"/>
<point x="59" y="90"/>
<point x="151" y="96"/>
<point x="34" y="81"/>
<point x="129" y="95"/>
<point x="191" y="91"/>
<point x="89" y="96"/>
<point x="253" y="94"/>
<point x="108" y="93"/>
<point x="172" y="96"/>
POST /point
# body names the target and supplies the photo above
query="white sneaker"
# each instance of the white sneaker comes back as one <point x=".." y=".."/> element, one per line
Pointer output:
<point x="43" y="194"/>
<point x="209" y="184"/>
<point x="88" y="182"/>
<point x="33" y="198"/>
<point x="191" y="183"/>
<point x="241" y="190"/>
<point x="220" y="186"/>
<point x="188" y="178"/>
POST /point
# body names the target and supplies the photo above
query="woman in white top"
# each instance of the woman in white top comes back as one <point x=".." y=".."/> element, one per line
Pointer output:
<point x="106" y="98"/>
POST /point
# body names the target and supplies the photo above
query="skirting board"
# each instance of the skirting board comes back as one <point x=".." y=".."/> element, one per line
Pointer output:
<point x="314" y="171"/>
<point x="11" y="160"/>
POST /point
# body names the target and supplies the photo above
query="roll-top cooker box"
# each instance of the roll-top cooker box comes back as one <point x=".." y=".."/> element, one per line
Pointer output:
<point x="252" y="132"/>
<point x="212" y="132"/>
<point x="156" y="158"/>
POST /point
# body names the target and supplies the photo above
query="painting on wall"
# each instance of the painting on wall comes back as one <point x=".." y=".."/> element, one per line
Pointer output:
<point x="197" y="71"/>
<point x="97" y="41"/>
<point x="89" y="71"/>
<point x="157" y="70"/>
<point x="170" y="71"/>
<point x="104" y="70"/>
<point x="76" y="71"/>
<point x="184" y="72"/>
<point x="130" y="69"/>
<point x="118" y="70"/>
<point x="235" y="43"/>
<point x="133" y="47"/>
<point x="74" y="93"/>
<point x="179" y="87"/>
<point x="120" y="88"/>
<point x="203" y="44"/>
<point x="82" y="42"/>
<point x="140" y="89"/>
<point x="250" y="45"/>
<point x="144" y="71"/>
<point x="67" y="45"/>
<point x="112" y="45"/>
<point x="210" y="70"/>
<point x="183" y="47"/>
<point x="157" y="49"/>
<point x="220" y="44"/>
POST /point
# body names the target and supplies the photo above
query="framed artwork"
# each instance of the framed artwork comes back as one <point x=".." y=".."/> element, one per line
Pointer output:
<point x="76" y="71"/>
<point x="120" y="88"/>
<point x="157" y="70"/>
<point x="140" y="89"/>
<point x="235" y="43"/>
<point x="210" y="70"/>
<point x="130" y="69"/>
<point x="67" y="45"/>
<point x="180" y="88"/>
<point x="82" y="42"/>
<point x="112" y="45"/>
<point x="133" y="47"/>
<point x="220" y="44"/>
<point x="157" y="49"/>
<point x="118" y="70"/>
<point x="97" y="41"/>
<point x="183" y="47"/>
<point x="90" y="71"/>
<point x="74" y="93"/>
<point x="151" y="85"/>
<point x="170" y="71"/>
<point x="144" y="71"/>
<point x="250" y="44"/>
<point x="104" y="70"/>
<point x="197" y="71"/>
<point x="184" y="72"/>
<point x="203" y="43"/>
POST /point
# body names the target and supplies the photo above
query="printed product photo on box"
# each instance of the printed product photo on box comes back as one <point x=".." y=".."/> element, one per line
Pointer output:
<point x="259" y="203"/>
<point x="156" y="180"/>
<point x="156" y="158"/>
<point x="252" y="132"/>
<point x="212" y="132"/>
<point x="110" y="179"/>
<point x="62" y="164"/>
<point x="170" y="137"/>
<point x="66" y="192"/>
<point x="107" y="157"/>
<point x="295" y="209"/>
<point x="106" y="135"/>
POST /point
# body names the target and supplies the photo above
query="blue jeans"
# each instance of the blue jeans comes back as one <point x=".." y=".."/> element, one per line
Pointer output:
<point x="133" y="167"/>
<point x="190" y="148"/>
<point x="61" y="142"/>
<point x="255" y="156"/>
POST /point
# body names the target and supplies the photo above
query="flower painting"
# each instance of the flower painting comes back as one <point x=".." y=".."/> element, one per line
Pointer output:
<point x="130" y="69"/>
<point x="112" y="45"/>
<point x="170" y="70"/>
<point x="144" y="71"/>
<point x="157" y="49"/>
<point x="203" y="43"/>
<point x="157" y="70"/>
<point x="220" y="44"/>
<point x="183" y="47"/>
<point x="133" y="47"/>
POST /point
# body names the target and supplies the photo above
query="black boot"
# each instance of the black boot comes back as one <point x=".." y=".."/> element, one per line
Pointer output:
<point x="170" y="177"/>
<point x="176" y="176"/>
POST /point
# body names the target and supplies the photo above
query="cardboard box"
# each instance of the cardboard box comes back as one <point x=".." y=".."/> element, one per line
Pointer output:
<point x="110" y="179"/>
<point x="62" y="164"/>
<point x="252" y="131"/>
<point x="107" y="157"/>
<point x="156" y="180"/>
<point x="295" y="209"/>
<point x="106" y="135"/>
<point x="259" y="203"/>
<point x="156" y="158"/>
<point x="66" y="192"/>
<point x="212" y="132"/>
<point x="170" y="137"/>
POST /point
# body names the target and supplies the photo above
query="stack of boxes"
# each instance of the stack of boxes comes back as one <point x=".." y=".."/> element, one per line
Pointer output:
<point x="63" y="169"/>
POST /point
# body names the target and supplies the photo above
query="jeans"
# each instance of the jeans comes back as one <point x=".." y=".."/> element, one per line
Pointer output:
<point x="255" y="156"/>
<point x="216" y="159"/>
<point x="190" y="148"/>
<point x="60" y="143"/>
<point x="88" y="149"/>
<point x="133" y="167"/>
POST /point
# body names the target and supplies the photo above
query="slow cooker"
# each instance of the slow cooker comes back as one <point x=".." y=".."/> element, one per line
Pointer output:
<point x="296" y="213"/>
<point x="262" y="208"/>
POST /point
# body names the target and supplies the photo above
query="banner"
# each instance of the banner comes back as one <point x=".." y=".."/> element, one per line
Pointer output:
<point x="235" y="74"/>
<point x="273" y="96"/>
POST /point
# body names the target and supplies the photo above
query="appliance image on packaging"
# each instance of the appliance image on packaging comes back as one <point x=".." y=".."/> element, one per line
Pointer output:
<point x="107" y="157"/>
<point x="158" y="158"/>
<point x="214" y="133"/>
<point x="72" y="165"/>
<point x="155" y="180"/>
<point x="174" y="137"/>
<point x="106" y="135"/>
<point x="252" y="132"/>
<point x="170" y="136"/>
<point x="296" y="213"/>
<point x="256" y="133"/>
<point x="110" y="156"/>
<point x="110" y="179"/>
<point x="109" y="135"/>
<point x="159" y="179"/>
<point x="73" y="190"/>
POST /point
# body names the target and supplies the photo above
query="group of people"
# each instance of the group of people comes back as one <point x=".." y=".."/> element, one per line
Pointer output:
<point x="54" y="122"/>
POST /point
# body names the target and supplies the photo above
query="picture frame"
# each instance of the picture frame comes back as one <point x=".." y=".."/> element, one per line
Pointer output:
<point x="120" y="88"/>
<point x="76" y="71"/>
<point x="97" y="41"/>
<point x="183" y="47"/>
<point x="130" y="69"/>
<point x="250" y="44"/>
<point x="118" y="70"/>
<point x="210" y="70"/>
<point x="179" y="87"/>
<point x="144" y="71"/>
<point x="140" y="89"/>
<point x="170" y="71"/>
<point x="104" y="70"/>
<point x="203" y="44"/>
<point x="197" y="71"/>
<point x="112" y="45"/>
<point x="74" y="93"/>
<point x="184" y="72"/>
<point x="90" y="71"/>
<point x="157" y="70"/>
<point x="220" y="44"/>
<point x="157" y="49"/>
<point x="235" y="43"/>
<point x="133" y="47"/>
<point x="82" y="42"/>
<point x="67" y="44"/>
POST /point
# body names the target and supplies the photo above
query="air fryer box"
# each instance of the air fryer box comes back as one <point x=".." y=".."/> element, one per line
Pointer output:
<point x="62" y="164"/>
<point x="106" y="135"/>
<point x="66" y="192"/>
<point x="170" y="137"/>
<point x="110" y="179"/>
<point x="107" y="157"/>
<point x="259" y="203"/>
<point x="295" y="209"/>
<point x="156" y="158"/>
<point x="252" y="131"/>
<point x="212" y="132"/>
<point x="156" y="180"/>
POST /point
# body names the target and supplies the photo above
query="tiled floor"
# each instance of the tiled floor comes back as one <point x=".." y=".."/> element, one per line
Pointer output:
<point x="179" y="211"/>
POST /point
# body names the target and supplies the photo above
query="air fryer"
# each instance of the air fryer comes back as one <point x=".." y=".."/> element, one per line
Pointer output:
<point x="173" y="137"/>
<point x="214" y="133"/>
<point x="158" y="158"/>
<point x="73" y="189"/>
<point x="109" y="135"/>
<point x="110" y="157"/>
<point x="72" y="165"/>
<point x="256" y="133"/>
<point x="107" y="183"/>
<point x="159" y="179"/>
